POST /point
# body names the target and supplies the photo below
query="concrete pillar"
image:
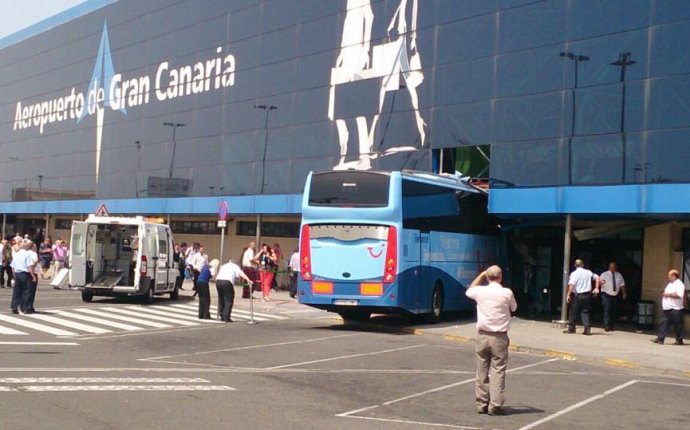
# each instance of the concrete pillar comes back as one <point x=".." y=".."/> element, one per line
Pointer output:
<point x="662" y="252"/>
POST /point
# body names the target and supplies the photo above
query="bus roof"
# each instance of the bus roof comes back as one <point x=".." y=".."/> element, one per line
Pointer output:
<point x="452" y="181"/>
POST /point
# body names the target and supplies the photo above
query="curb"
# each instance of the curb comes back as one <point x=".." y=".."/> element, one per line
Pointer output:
<point x="564" y="355"/>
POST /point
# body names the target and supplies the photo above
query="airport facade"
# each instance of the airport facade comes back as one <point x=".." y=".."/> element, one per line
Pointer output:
<point x="569" y="109"/>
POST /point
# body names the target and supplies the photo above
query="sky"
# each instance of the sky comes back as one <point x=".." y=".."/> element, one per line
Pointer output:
<point x="16" y="15"/>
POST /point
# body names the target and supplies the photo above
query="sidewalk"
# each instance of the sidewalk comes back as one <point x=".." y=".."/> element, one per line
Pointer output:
<point x="631" y="350"/>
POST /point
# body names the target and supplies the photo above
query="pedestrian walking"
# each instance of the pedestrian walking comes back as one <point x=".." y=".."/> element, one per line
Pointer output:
<point x="59" y="255"/>
<point x="612" y="288"/>
<point x="494" y="306"/>
<point x="23" y="270"/>
<point x="30" y="292"/>
<point x="180" y="253"/>
<point x="6" y="264"/>
<point x="45" y="256"/>
<point x="672" y="305"/>
<point x="247" y="264"/>
<point x="579" y="296"/>
<point x="198" y="260"/>
<point x="266" y="259"/>
<point x="206" y="274"/>
<point x="226" y="279"/>
<point x="293" y="270"/>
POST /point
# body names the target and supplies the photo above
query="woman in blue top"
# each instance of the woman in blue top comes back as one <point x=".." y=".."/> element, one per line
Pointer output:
<point x="206" y="274"/>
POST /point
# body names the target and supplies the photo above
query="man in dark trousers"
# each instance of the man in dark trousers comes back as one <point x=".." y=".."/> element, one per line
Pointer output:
<point x="494" y="307"/>
<point x="579" y="296"/>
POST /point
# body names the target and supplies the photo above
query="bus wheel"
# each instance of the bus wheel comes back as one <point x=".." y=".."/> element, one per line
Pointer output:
<point x="175" y="293"/>
<point x="354" y="316"/>
<point x="436" y="304"/>
<point x="87" y="296"/>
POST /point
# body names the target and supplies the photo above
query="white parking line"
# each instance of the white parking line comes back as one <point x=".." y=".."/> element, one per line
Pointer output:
<point x="44" y="380"/>
<point x="350" y="414"/>
<point x="578" y="405"/>
<point x="343" y="357"/>
<point x="73" y="388"/>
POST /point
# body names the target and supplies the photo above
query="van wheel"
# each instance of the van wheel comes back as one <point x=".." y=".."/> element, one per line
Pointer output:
<point x="87" y="296"/>
<point x="175" y="293"/>
<point x="149" y="295"/>
<point x="436" y="304"/>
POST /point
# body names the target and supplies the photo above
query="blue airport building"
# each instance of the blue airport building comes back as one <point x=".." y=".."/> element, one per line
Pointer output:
<point x="574" y="112"/>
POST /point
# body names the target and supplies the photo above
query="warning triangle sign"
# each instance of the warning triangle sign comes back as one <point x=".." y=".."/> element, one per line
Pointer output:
<point x="102" y="210"/>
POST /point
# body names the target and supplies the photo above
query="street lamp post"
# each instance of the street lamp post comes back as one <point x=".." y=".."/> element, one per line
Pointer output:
<point x="267" y="109"/>
<point x="174" y="126"/>
<point x="623" y="62"/>
<point x="137" y="143"/>
<point x="576" y="60"/>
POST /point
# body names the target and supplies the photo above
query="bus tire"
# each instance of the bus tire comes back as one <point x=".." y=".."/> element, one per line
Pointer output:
<point x="87" y="296"/>
<point x="175" y="293"/>
<point x="436" y="304"/>
<point x="354" y="316"/>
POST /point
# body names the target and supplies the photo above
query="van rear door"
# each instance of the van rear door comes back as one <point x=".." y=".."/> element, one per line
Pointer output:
<point x="164" y="254"/>
<point x="77" y="258"/>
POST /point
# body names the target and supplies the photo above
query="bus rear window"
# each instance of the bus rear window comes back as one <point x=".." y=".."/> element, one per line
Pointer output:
<point x="349" y="189"/>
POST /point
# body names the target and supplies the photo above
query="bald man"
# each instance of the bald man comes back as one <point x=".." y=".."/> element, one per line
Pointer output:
<point x="580" y="296"/>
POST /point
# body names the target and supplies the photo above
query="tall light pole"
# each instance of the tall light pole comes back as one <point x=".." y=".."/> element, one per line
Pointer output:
<point x="267" y="109"/>
<point x="174" y="126"/>
<point x="623" y="62"/>
<point x="577" y="59"/>
<point x="137" y="143"/>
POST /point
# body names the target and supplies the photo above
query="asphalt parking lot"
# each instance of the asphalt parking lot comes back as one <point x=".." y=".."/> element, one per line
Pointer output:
<point x="309" y="371"/>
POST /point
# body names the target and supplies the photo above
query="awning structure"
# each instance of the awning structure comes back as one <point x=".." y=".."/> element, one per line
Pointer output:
<point x="605" y="200"/>
<point x="281" y="204"/>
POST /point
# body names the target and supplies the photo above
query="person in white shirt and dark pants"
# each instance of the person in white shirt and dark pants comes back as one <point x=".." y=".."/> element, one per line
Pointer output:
<point x="672" y="305"/>
<point x="612" y="288"/>
<point x="494" y="307"/>
<point x="226" y="279"/>
<point x="580" y="296"/>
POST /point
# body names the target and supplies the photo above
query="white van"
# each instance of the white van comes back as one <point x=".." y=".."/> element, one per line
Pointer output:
<point x="116" y="256"/>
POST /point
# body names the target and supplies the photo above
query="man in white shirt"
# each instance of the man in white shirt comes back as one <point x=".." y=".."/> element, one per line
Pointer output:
<point x="580" y="296"/>
<point x="248" y="268"/>
<point x="293" y="269"/>
<point x="198" y="260"/>
<point x="612" y="286"/>
<point x="228" y="276"/>
<point x="494" y="307"/>
<point x="23" y="269"/>
<point x="672" y="305"/>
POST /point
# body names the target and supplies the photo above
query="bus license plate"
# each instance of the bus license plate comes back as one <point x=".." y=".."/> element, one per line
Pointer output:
<point x="344" y="302"/>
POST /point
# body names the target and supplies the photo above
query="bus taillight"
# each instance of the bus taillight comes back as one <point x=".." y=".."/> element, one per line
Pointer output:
<point x="391" y="263"/>
<point x="305" y="254"/>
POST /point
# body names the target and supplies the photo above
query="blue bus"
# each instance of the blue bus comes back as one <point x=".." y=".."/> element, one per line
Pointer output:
<point x="392" y="242"/>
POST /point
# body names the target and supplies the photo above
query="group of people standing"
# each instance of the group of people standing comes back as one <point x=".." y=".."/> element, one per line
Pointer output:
<point x="226" y="276"/>
<point x="584" y="285"/>
<point x="267" y="263"/>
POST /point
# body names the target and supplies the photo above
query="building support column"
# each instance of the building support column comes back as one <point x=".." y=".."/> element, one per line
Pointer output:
<point x="566" y="268"/>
